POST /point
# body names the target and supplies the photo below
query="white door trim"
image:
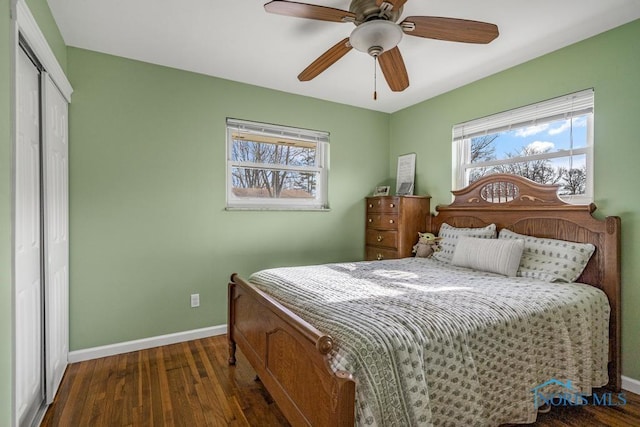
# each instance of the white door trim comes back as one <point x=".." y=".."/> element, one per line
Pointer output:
<point x="29" y="29"/>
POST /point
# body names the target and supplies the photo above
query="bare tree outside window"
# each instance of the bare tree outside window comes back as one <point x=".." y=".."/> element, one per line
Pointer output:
<point x="274" y="166"/>
<point x="482" y="148"/>
<point x="272" y="182"/>
<point x="540" y="170"/>
<point x="572" y="181"/>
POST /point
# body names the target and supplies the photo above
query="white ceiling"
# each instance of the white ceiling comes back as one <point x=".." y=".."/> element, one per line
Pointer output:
<point x="238" y="40"/>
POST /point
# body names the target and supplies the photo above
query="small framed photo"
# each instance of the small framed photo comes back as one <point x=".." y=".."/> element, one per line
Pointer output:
<point x="381" y="190"/>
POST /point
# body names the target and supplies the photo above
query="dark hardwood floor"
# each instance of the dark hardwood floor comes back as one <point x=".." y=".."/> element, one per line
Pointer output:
<point x="191" y="384"/>
<point x="187" y="384"/>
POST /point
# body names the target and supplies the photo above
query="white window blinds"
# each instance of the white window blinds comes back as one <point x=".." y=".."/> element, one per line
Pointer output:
<point x="275" y="132"/>
<point x="562" y="107"/>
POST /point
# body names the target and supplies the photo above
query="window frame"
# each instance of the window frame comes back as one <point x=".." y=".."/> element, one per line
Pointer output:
<point x="561" y="108"/>
<point x="266" y="131"/>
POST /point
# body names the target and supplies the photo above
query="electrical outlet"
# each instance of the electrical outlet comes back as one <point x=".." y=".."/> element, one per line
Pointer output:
<point x="195" y="300"/>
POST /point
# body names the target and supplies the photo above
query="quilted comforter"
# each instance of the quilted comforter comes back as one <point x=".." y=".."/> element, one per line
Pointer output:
<point x="433" y="344"/>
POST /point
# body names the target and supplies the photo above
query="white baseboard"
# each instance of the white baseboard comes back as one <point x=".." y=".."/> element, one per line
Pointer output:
<point x="629" y="384"/>
<point x="142" y="344"/>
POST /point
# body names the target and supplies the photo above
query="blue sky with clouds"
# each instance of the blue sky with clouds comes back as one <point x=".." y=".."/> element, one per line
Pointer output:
<point x="554" y="136"/>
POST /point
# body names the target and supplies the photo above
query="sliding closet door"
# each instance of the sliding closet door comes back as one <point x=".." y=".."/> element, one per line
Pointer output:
<point x="28" y="248"/>
<point x="56" y="234"/>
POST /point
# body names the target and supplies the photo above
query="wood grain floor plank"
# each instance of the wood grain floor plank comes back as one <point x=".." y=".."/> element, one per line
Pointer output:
<point x="163" y="390"/>
<point x="106" y="386"/>
<point x="205" y="413"/>
<point x="191" y="384"/>
<point x="211" y="392"/>
<point x="143" y="391"/>
<point x="84" y="394"/>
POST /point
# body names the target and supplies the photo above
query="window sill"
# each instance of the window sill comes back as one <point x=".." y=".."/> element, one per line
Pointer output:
<point x="276" y="208"/>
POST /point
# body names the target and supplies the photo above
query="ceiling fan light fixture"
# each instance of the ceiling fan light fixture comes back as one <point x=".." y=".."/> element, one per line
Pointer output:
<point x="375" y="37"/>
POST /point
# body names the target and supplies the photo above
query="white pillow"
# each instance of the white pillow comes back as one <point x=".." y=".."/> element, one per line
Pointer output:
<point x="551" y="260"/>
<point x="492" y="255"/>
<point x="450" y="236"/>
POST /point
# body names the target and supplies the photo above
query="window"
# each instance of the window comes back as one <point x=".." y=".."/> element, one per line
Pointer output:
<point x="550" y="142"/>
<point x="276" y="167"/>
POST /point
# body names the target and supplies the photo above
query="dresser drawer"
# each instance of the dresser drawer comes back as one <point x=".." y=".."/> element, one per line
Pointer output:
<point x="382" y="221"/>
<point x="383" y="204"/>
<point x="376" y="253"/>
<point x="386" y="238"/>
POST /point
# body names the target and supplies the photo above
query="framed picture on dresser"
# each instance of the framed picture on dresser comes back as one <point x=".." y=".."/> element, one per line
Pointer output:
<point x="381" y="190"/>
<point x="406" y="174"/>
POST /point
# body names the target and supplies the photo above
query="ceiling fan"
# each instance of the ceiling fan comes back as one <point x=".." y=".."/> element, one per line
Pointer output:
<point x="378" y="34"/>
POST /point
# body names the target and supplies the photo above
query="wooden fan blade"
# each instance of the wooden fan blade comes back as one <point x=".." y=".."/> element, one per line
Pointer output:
<point x="397" y="4"/>
<point x="450" y="29"/>
<point x="325" y="60"/>
<point x="309" y="11"/>
<point x="394" y="71"/>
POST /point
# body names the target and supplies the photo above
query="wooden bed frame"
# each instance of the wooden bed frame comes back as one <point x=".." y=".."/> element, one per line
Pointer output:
<point x="290" y="355"/>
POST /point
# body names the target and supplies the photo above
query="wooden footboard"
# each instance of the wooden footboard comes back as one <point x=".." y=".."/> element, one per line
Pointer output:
<point x="290" y="357"/>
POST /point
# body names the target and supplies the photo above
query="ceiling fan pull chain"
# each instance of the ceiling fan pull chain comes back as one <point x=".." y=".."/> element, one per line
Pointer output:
<point x="375" y="83"/>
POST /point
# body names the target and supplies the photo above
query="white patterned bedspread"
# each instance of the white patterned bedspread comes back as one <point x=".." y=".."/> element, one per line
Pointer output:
<point x="432" y="344"/>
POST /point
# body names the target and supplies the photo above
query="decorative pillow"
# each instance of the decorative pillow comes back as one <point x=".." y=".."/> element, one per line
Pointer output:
<point x="450" y="236"/>
<point x="492" y="255"/>
<point x="551" y="260"/>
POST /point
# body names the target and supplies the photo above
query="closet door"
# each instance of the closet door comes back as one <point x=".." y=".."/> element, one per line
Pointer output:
<point x="56" y="234"/>
<point x="28" y="248"/>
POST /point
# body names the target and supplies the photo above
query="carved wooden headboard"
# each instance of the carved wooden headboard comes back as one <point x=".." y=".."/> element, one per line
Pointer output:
<point x="526" y="207"/>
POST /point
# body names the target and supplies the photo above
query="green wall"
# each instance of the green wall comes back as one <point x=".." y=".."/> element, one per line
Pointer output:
<point x="610" y="63"/>
<point x="147" y="191"/>
<point x="5" y="214"/>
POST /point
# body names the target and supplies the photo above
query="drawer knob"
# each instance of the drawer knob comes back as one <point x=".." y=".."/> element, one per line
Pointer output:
<point x="370" y="205"/>
<point x="379" y="257"/>
<point x="379" y="238"/>
<point x="370" y="220"/>
<point x="392" y="205"/>
<point x="391" y="221"/>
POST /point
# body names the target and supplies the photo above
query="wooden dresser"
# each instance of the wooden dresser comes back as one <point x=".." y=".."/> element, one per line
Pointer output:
<point x="392" y="225"/>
